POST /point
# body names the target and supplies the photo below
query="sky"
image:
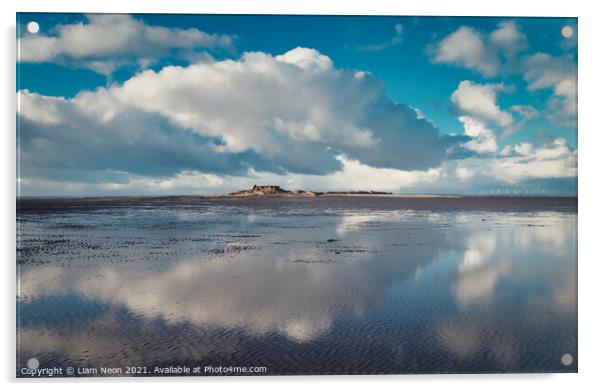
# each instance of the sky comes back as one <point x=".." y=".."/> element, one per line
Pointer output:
<point x="208" y="104"/>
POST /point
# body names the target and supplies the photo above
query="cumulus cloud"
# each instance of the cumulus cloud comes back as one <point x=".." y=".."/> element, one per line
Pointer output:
<point x="482" y="139"/>
<point x="469" y="48"/>
<point x="488" y="54"/>
<point x="544" y="71"/>
<point x="85" y="138"/>
<point x="106" y="42"/>
<point x="306" y="59"/>
<point x="292" y="113"/>
<point x="480" y="101"/>
<point x="508" y="38"/>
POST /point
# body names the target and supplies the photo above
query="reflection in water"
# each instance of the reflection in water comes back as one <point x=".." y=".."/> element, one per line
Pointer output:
<point x="299" y="290"/>
<point x="288" y="296"/>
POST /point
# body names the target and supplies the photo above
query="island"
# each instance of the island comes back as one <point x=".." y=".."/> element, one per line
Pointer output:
<point x="277" y="191"/>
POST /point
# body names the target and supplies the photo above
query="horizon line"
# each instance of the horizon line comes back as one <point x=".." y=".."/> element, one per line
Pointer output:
<point x="326" y="193"/>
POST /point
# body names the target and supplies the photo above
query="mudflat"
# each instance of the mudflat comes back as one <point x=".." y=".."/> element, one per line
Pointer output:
<point x="299" y="285"/>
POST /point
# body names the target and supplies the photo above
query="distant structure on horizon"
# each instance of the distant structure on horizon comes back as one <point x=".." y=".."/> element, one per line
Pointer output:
<point x="275" y="190"/>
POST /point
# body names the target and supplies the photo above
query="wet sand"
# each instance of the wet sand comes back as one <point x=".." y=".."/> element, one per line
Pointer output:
<point x="419" y="202"/>
<point x="324" y="285"/>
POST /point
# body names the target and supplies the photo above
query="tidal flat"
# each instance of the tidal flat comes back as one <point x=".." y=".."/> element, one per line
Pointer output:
<point x="326" y="285"/>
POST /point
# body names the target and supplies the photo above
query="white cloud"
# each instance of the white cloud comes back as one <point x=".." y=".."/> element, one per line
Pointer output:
<point x="523" y="162"/>
<point x="41" y="109"/>
<point x="472" y="49"/>
<point x="245" y="101"/>
<point x="292" y="113"/>
<point x="514" y="165"/>
<point x="306" y="59"/>
<point x="106" y="142"/>
<point x="501" y="50"/>
<point x="480" y="101"/>
<point x="107" y="41"/>
<point x="353" y="175"/>
<point x="522" y="149"/>
<point x="464" y="174"/>
<point x="483" y="139"/>
<point x="468" y="48"/>
<point x="558" y="73"/>
<point x="71" y="146"/>
<point x="509" y="37"/>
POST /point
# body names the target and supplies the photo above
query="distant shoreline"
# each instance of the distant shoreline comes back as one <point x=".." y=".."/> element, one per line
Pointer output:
<point x="274" y="191"/>
<point x="225" y="196"/>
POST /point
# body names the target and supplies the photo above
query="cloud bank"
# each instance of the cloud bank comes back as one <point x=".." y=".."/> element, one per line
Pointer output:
<point x="290" y="113"/>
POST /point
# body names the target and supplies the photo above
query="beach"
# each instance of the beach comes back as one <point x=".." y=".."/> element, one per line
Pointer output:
<point x="298" y="285"/>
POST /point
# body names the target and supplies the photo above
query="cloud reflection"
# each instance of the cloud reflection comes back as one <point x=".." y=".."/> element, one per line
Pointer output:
<point x="300" y="279"/>
<point x="298" y="292"/>
<point x="508" y="261"/>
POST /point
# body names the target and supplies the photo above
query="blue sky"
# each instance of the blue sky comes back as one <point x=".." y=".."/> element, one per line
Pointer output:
<point x="403" y="104"/>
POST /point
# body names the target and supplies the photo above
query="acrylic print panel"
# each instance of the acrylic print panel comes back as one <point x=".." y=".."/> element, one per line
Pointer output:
<point x="295" y="195"/>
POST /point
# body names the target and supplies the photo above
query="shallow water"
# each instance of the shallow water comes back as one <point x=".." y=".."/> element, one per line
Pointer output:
<point x="333" y="285"/>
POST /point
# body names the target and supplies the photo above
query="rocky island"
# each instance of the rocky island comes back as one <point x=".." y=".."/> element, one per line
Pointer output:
<point x="277" y="191"/>
<point x="270" y="191"/>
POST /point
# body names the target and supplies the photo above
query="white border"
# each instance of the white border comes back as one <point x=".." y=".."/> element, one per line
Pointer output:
<point x="334" y="7"/>
<point x="589" y="145"/>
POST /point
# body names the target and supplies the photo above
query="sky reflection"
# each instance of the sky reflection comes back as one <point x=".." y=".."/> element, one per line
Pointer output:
<point x="461" y="287"/>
